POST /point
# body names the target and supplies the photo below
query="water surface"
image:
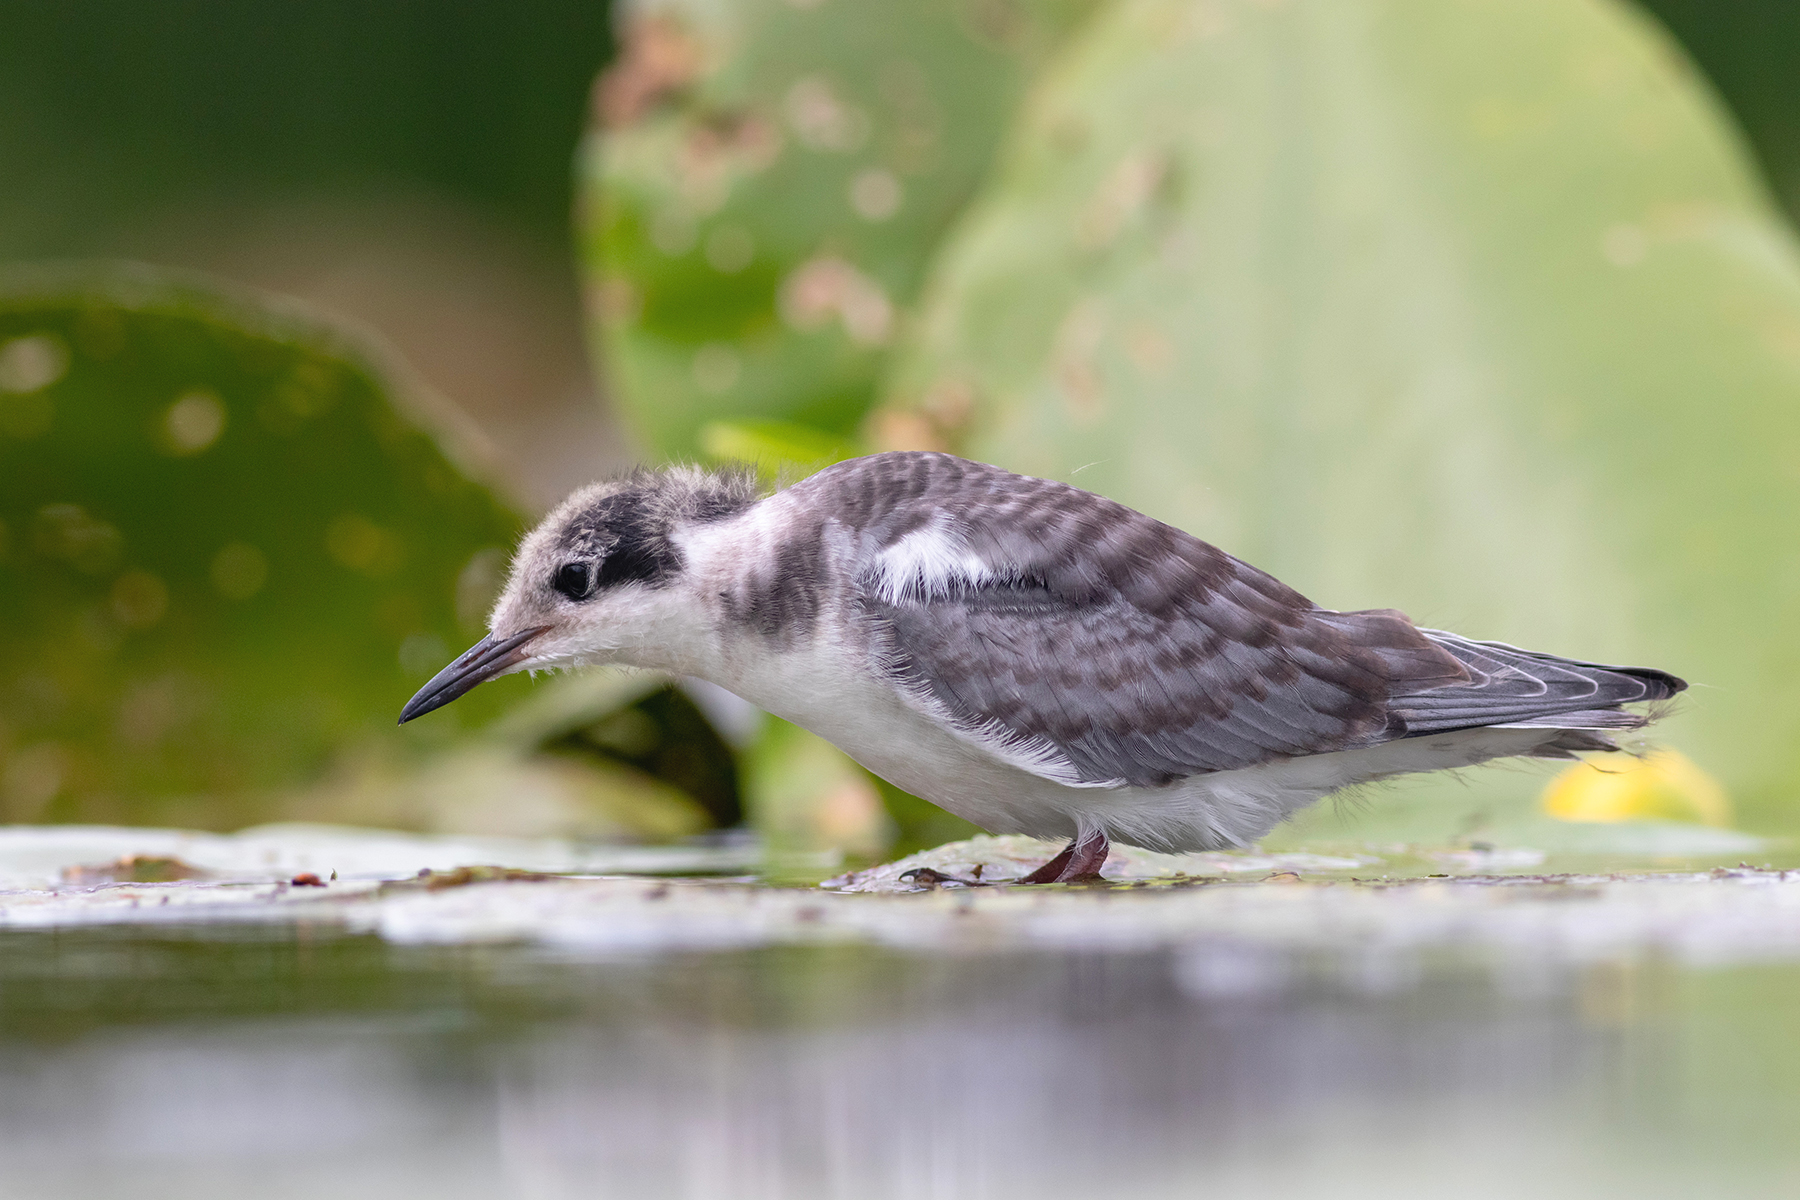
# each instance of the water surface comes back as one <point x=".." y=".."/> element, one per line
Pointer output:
<point x="305" y="1060"/>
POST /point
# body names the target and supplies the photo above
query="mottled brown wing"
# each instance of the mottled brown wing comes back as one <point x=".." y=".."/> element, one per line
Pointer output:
<point x="1109" y="647"/>
<point x="1230" y="680"/>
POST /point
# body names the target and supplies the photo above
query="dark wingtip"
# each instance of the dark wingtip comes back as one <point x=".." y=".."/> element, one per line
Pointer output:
<point x="1658" y="685"/>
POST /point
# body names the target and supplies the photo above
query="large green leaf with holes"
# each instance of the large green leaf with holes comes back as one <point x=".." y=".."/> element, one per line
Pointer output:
<point x="1467" y="307"/>
<point x="225" y="554"/>
<point x="765" y="183"/>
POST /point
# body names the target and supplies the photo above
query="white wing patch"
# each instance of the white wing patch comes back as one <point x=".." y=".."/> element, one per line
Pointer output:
<point x="932" y="563"/>
<point x="927" y="563"/>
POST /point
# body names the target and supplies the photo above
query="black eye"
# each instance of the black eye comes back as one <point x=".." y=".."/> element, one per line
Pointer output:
<point x="574" y="580"/>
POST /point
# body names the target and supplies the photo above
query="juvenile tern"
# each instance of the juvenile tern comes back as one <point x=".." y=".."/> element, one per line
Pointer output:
<point x="1028" y="655"/>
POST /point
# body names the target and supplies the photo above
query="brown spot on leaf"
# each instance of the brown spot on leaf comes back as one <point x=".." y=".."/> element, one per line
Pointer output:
<point x="660" y="57"/>
<point x="895" y="429"/>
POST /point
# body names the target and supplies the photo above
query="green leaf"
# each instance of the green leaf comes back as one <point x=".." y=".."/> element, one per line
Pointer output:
<point x="807" y="797"/>
<point x="766" y="185"/>
<point x="1468" y="308"/>
<point x="774" y="446"/>
<point x="227" y="556"/>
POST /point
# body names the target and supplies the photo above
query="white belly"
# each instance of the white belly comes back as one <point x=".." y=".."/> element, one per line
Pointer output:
<point x="822" y="686"/>
<point x="867" y="719"/>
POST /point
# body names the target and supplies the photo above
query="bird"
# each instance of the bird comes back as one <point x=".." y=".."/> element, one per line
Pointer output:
<point x="1035" y="658"/>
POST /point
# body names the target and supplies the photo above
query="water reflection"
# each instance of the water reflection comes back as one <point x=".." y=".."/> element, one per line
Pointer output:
<point x="309" y="1062"/>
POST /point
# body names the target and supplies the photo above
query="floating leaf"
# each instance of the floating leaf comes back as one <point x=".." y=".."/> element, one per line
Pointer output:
<point x="1468" y="308"/>
<point x="766" y="183"/>
<point x="775" y="447"/>
<point x="228" y="556"/>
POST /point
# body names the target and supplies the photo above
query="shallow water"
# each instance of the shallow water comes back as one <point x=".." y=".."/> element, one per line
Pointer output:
<point x="303" y="1060"/>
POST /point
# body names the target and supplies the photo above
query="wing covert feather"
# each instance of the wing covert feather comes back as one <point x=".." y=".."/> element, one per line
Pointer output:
<point x="1117" y="648"/>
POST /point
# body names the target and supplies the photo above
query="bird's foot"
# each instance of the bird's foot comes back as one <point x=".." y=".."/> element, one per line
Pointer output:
<point x="934" y="878"/>
<point x="1079" y="862"/>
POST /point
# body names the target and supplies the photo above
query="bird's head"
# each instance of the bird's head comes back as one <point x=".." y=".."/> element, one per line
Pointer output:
<point x="596" y="582"/>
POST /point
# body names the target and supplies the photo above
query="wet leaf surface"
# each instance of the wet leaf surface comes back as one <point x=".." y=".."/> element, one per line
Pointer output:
<point x="456" y="1016"/>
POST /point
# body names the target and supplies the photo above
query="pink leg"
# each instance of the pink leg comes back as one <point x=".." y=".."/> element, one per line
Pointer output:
<point x="1079" y="862"/>
<point x="1051" y="871"/>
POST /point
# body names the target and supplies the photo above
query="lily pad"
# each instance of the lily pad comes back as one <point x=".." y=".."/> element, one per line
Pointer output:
<point x="227" y="554"/>
<point x="765" y="183"/>
<point x="1474" y="310"/>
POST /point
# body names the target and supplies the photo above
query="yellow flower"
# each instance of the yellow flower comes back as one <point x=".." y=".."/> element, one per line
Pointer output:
<point x="1662" y="785"/>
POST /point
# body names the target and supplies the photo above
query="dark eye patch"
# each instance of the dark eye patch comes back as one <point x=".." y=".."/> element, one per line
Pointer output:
<point x="574" y="580"/>
<point x="631" y="560"/>
<point x="619" y="539"/>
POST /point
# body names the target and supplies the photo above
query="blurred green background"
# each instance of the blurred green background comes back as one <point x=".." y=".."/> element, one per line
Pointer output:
<point x="1486" y="311"/>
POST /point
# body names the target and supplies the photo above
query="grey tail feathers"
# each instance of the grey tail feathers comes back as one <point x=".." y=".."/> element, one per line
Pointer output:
<point x="1524" y="689"/>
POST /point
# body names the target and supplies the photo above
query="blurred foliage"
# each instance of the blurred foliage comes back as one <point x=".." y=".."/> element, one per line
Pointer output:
<point x="806" y="796"/>
<point x="779" y="449"/>
<point x="664" y="736"/>
<point x="766" y="184"/>
<point x="815" y="807"/>
<point x="1662" y="785"/>
<point x="919" y="824"/>
<point x="226" y="560"/>
<point x="762" y="192"/>
<point x="1471" y="309"/>
<point x="407" y="164"/>
<point x="1748" y="49"/>
<point x="227" y="555"/>
<point x="112" y="108"/>
<point x="602" y="755"/>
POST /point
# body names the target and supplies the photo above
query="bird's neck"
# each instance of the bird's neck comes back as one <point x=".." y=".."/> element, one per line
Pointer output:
<point x="753" y="584"/>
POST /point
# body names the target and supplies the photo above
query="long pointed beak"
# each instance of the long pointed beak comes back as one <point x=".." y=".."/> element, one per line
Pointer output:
<point x="478" y="664"/>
